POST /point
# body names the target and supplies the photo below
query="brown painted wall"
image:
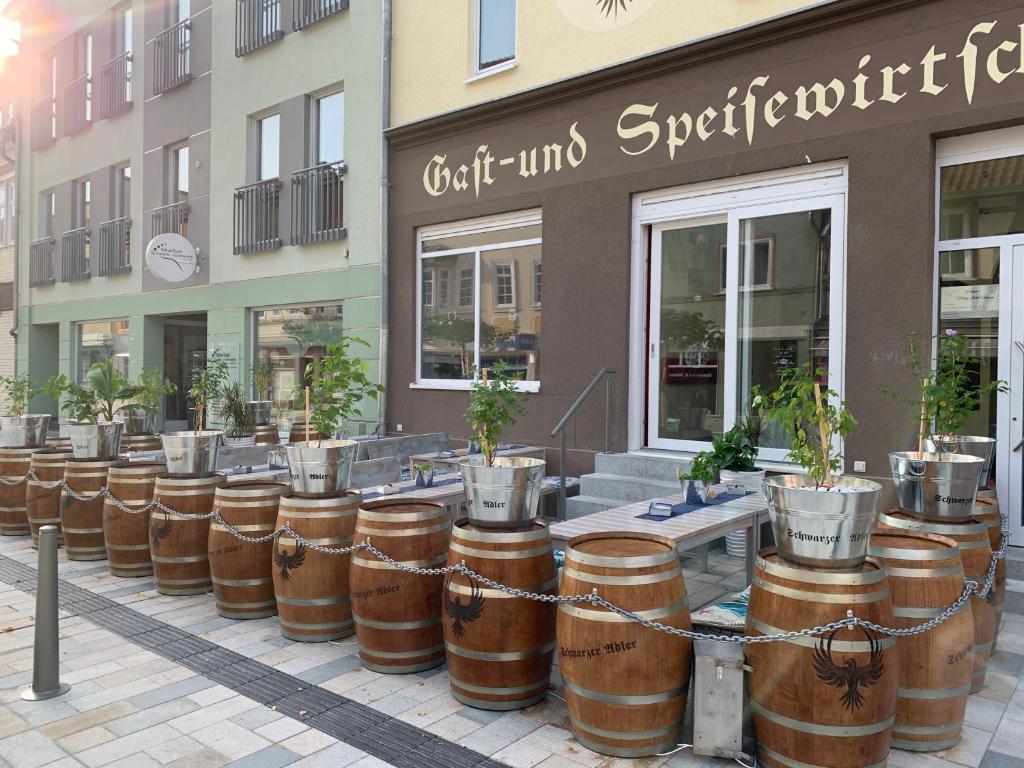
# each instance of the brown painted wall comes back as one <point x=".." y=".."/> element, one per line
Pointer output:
<point x="586" y="212"/>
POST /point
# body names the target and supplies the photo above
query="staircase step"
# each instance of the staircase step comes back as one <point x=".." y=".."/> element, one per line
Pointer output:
<point x="639" y="465"/>
<point x="625" y="488"/>
<point x="578" y="506"/>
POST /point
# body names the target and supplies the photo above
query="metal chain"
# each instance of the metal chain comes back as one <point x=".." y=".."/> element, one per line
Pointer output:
<point x="14" y="483"/>
<point x="45" y="485"/>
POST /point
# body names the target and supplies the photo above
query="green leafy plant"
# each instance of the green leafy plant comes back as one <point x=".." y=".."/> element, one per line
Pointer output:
<point x="702" y="469"/>
<point x="235" y="412"/>
<point x="151" y="387"/>
<point x="338" y="383"/>
<point x="734" y="451"/>
<point x="18" y="390"/>
<point x="96" y="402"/>
<point x="494" y="403"/>
<point x="811" y="416"/>
<point x="261" y="376"/>
<point x="206" y="385"/>
<point x="424" y="467"/>
<point x="754" y="419"/>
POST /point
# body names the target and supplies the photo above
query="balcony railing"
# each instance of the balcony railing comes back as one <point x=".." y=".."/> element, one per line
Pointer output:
<point x="172" y="57"/>
<point x="169" y="218"/>
<point x="306" y="12"/>
<point x="115" y="248"/>
<point x="74" y="255"/>
<point x="257" y="23"/>
<point x="40" y="262"/>
<point x="77" y="105"/>
<point x="258" y="217"/>
<point x="44" y="122"/>
<point x="115" y="86"/>
<point x="318" y="204"/>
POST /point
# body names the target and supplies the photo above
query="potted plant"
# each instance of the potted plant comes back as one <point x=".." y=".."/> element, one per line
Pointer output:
<point x="140" y="416"/>
<point x="94" y="433"/>
<point x="424" y="475"/>
<point x="237" y="416"/>
<point x="261" y="376"/>
<point x="194" y="452"/>
<point x="21" y="429"/>
<point x="698" y="479"/>
<point x="819" y="519"/>
<point x="733" y="454"/>
<point x="500" y="492"/>
<point x="338" y="384"/>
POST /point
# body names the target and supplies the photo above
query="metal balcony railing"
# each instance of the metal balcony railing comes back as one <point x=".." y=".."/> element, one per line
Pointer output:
<point x="114" y="257"/>
<point x="169" y="218"/>
<point x="318" y="204"/>
<point x="77" y="105"/>
<point x="40" y="262"/>
<point x="306" y="12"/>
<point x="74" y="255"/>
<point x="172" y="57"/>
<point x="257" y="222"/>
<point x="115" y="94"/>
<point x="44" y="122"/>
<point x="257" y="23"/>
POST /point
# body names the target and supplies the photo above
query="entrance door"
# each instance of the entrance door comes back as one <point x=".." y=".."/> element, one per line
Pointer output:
<point x="1010" y="460"/>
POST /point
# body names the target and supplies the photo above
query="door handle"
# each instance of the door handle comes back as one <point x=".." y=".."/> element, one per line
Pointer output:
<point x="1018" y="446"/>
<point x="1019" y="345"/>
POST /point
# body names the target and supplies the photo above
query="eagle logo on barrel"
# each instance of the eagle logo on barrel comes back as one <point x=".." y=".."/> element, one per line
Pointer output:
<point x="851" y="675"/>
<point x="161" y="531"/>
<point x="463" y="613"/>
<point x="289" y="562"/>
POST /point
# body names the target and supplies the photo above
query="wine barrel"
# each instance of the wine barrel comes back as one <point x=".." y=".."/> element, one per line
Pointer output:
<point x="133" y="443"/>
<point x="926" y="575"/>
<point x="311" y="587"/>
<point x="59" y="443"/>
<point x="976" y="554"/>
<point x="267" y="434"/>
<point x="82" y="521"/>
<point x="987" y="511"/>
<point x="42" y="494"/>
<point x="625" y="684"/>
<point x="179" y="546"/>
<point x="297" y="434"/>
<point x="240" y="570"/>
<point x="127" y="534"/>
<point x="14" y="466"/>
<point x="827" y="700"/>
<point x="500" y="648"/>
<point x="398" y="614"/>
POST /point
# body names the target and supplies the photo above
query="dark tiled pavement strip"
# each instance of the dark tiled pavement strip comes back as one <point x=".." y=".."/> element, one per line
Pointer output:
<point x="363" y="727"/>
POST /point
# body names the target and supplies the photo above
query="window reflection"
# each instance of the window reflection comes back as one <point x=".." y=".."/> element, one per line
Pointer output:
<point x="289" y="338"/>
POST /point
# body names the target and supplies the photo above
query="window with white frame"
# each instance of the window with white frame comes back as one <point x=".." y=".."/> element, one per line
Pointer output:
<point x="495" y="34"/>
<point x="487" y="324"/>
<point x="289" y="338"/>
<point x="536" y="283"/>
<point x="268" y="147"/>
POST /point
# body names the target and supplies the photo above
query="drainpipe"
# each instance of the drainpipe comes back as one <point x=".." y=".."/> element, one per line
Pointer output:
<point x="385" y="201"/>
<point x="12" y="133"/>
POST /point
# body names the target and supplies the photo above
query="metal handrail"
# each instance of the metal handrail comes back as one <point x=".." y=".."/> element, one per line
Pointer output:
<point x="605" y="374"/>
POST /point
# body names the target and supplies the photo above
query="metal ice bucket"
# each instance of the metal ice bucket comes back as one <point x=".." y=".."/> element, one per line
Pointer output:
<point x="138" y="421"/>
<point x="321" y="469"/>
<point x="192" y="452"/>
<point x="936" y="486"/>
<point x="260" y="410"/>
<point x="822" y="529"/>
<point x="694" y="491"/>
<point x="505" y="495"/>
<point x="969" y="445"/>
<point x="28" y="431"/>
<point x="96" y="441"/>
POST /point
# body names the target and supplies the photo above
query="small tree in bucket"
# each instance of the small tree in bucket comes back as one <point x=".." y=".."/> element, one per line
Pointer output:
<point x="338" y="383"/>
<point x="206" y="385"/>
<point x="18" y="390"/>
<point x="494" y="403"/>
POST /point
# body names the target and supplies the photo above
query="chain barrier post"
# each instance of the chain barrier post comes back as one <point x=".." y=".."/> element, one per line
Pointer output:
<point x="46" y="682"/>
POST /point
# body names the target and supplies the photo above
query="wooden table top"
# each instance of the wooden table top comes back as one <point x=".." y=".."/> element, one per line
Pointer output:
<point x="461" y="453"/>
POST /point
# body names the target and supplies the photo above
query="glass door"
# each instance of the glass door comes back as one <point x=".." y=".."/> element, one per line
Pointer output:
<point x="1010" y="448"/>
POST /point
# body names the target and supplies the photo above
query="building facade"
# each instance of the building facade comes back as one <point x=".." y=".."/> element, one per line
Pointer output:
<point x="8" y="223"/>
<point x="231" y="124"/>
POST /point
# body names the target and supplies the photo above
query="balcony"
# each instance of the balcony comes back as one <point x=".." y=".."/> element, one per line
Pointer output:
<point x="115" y="248"/>
<point x="306" y="12"/>
<point x="40" y="262"/>
<point x="318" y="204"/>
<point x="74" y="255"/>
<point x="44" y="122"/>
<point x="172" y="54"/>
<point x="115" y="86"/>
<point x="77" y="105"/>
<point x="171" y="218"/>
<point x="257" y="23"/>
<point x="257" y="221"/>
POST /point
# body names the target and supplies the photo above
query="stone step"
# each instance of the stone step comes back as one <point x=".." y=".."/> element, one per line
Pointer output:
<point x="640" y="465"/>
<point x="578" y="506"/>
<point x="625" y="488"/>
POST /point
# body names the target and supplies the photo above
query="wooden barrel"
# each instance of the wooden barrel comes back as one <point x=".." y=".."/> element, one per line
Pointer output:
<point x="500" y="648"/>
<point x="828" y="700"/>
<point x="397" y="614"/>
<point x="179" y="547"/>
<point x="132" y="443"/>
<point x="312" y="587"/>
<point x="82" y="521"/>
<point x="976" y="554"/>
<point x="241" y="571"/>
<point x="987" y="511"/>
<point x="925" y="576"/>
<point x="42" y="495"/>
<point x="14" y="466"/>
<point x="59" y="443"/>
<point x="625" y="684"/>
<point x="298" y="433"/>
<point x="267" y="435"/>
<point x="127" y="535"/>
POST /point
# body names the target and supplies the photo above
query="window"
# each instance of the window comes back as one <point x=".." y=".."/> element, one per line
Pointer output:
<point x="184" y="10"/>
<point x="123" y="31"/>
<point x="179" y="174"/>
<point x="268" y="138"/>
<point x="330" y="128"/>
<point x="4" y="236"/>
<point x="122" y="208"/>
<point x="85" y="70"/>
<point x="982" y="199"/>
<point x="48" y="209"/>
<point x="290" y="338"/>
<point x="536" y="283"/>
<point x="12" y="211"/>
<point x="956" y="265"/>
<point x="83" y="203"/>
<point x="456" y="338"/>
<point x="496" y="33"/>
<point x="50" y="69"/>
<point x="99" y="342"/>
<point x="761" y="264"/>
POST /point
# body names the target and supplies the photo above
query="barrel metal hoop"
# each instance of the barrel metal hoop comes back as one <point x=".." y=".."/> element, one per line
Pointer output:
<point x="241" y="528"/>
<point x="927" y="730"/>
<point x="818" y="597"/>
<point x="468" y="653"/>
<point x="539" y="589"/>
<point x="396" y="625"/>
<point x="162" y="582"/>
<point x="625" y="699"/>
<point x="189" y="559"/>
<point x="846" y="646"/>
<point x="817" y="729"/>
<point x="304" y="627"/>
<point x="589" y="614"/>
<point x="127" y="547"/>
<point x="324" y="515"/>
<point x="246" y="606"/>
<point x="403" y="517"/>
<point x="791" y="763"/>
<point x="486" y="554"/>
<point x="83" y="531"/>
<point x="939" y="528"/>
<point x="312" y="601"/>
<point x="288" y="540"/>
<point x="901" y="612"/>
<point x="924" y="573"/>
<point x="402" y="532"/>
<point x="363" y="562"/>
<point x="241" y="582"/>
<point x="924" y="693"/>
<point x="625" y="581"/>
<point x="675" y="727"/>
<point x="924" y="746"/>
<point x="618" y="562"/>
<point x="399" y="654"/>
<point x="509" y="691"/>
<point x="808" y="576"/>
<point x="985" y="648"/>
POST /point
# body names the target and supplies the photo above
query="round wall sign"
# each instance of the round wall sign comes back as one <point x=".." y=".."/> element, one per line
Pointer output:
<point x="603" y="15"/>
<point x="172" y="257"/>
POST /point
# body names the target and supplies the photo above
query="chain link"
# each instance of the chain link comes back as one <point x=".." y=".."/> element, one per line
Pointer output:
<point x="14" y="483"/>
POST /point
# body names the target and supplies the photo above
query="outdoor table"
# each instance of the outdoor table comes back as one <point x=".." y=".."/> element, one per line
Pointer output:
<point x="689" y="530"/>
<point x="451" y="462"/>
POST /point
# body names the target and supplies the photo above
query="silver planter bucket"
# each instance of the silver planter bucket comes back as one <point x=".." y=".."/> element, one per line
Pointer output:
<point x="822" y="529"/>
<point x="28" y="431"/>
<point x="96" y="441"/>
<point x="505" y="495"/>
<point x="694" y="491"/>
<point x="138" y="421"/>
<point x="968" y="445"/>
<point x="260" y="410"/>
<point x="322" y="468"/>
<point x="936" y="486"/>
<point x="192" y="452"/>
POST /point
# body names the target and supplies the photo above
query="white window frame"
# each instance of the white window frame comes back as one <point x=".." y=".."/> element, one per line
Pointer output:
<point x="498" y="304"/>
<point x="723" y="259"/>
<point x="482" y="72"/>
<point x="790" y="190"/>
<point x="459" y="229"/>
<point x="427" y="276"/>
<point x="537" y="285"/>
<point x="442" y="277"/>
<point x="472" y="285"/>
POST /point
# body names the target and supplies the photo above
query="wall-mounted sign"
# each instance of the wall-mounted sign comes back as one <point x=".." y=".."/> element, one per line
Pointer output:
<point x="603" y="15"/>
<point x="172" y="257"/>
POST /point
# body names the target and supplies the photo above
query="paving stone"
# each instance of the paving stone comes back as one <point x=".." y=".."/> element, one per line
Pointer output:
<point x="325" y="672"/>
<point x="971" y="749"/>
<point x="498" y="734"/>
<point x="80" y="722"/>
<point x="281" y="729"/>
<point x="207" y="758"/>
<point x="29" y="749"/>
<point x="999" y="760"/>
<point x="230" y="740"/>
<point x="271" y="757"/>
<point x="126" y="746"/>
<point x="37" y="713"/>
<point x="335" y="756"/>
<point x="86" y="739"/>
<point x="308" y="742"/>
<point x="983" y="713"/>
<point x="170" y="692"/>
<point x="151" y="716"/>
<point x="256" y="718"/>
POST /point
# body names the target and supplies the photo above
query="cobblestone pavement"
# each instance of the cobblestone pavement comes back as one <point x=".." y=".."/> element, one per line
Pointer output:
<point x="158" y="698"/>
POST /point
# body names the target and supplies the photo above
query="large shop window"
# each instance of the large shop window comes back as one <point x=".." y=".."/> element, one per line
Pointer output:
<point x="479" y="300"/>
<point x="101" y="341"/>
<point x="289" y="338"/>
<point x="745" y="283"/>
